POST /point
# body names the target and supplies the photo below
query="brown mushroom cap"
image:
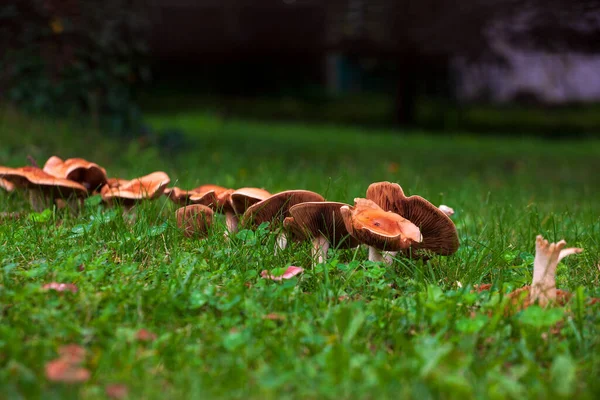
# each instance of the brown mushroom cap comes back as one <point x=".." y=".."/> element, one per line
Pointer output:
<point x="89" y="174"/>
<point x="311" y="219"/>
<point x="438" y="230"/>
<point x="36" y="178"/>
<point x="383" y="230"/>
<point x="244" y="198"/>
<point x="194" y="220"/>
<point x="193" y="196"/>
<point x="217" y="197"/>
<point x="277" y="206"/>
<point x="147" y="187"/>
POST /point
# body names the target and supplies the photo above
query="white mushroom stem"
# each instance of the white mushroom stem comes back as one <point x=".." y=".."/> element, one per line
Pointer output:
<point x="547" y="257"/>
<point x="386" y="257"/>
<point x="231" y="220"/>
<point x="280" y="242"/>
<point x="319" y="250"/>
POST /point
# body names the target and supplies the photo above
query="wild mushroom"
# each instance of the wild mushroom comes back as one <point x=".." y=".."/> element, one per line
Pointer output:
<point x="323" y="224"/>
<point x="238" y="202"/>
<point x="200" y="195"/>
<point x="89" y="174"/>
<point x="438" y="230"/>
<point x="218" y="197"/>
<point x="43" y="188"/>
<point x="194" y="220"/>
<point x="129" y="193"/>
<point x="380" y="230"/>
<point x="275" y="208"/>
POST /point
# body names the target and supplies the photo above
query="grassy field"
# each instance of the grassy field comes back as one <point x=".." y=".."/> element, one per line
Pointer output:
<point x="345" y="329"/>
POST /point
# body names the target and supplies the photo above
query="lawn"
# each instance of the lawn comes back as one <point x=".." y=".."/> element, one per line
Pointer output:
<point x="345" y="329"/>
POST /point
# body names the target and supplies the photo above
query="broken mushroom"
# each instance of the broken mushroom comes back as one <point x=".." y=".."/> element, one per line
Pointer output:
<point x="129" y="193"/>
<point x="438" y="230"/>
<point x="323" y="224"/>
<point x="380" y="230"/>
<point x="194" y="220"/>
<point x="89" y="174"/>
<point x="43" y="189"/>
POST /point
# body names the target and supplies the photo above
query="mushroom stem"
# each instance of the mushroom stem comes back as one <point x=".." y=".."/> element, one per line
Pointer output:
<point x="385" y="257"/>
<point x="547" y="257"/>
<point x="281" y="242"/>
<point x="319" y="250"/>
<point x="231" y="220"/>
<point x="40" y="200"/>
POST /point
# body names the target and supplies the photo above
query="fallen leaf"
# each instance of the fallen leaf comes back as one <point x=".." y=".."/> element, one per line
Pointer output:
<point x="144" y="335"/>
<point x="72" y="353"/>
<point x="116" y="391"/>
<point x="62" y="370"/>
<point x="274" y="317"/>
<point x="60" y="287"/>
<point x="289" y="273"/>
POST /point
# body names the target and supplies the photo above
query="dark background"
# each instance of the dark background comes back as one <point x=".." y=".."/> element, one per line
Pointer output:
<point x="402" y="63"/>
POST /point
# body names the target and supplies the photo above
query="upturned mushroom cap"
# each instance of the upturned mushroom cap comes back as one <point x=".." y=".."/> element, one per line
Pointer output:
<point x="383" y="230"/>
<point x="89" y="174"/>
<point x="244" y="198"/>
<point x="194" y="196"/>
<point x="311" y="219"/>
<point x="217" y="197"/>
<point x="438" y="230"/>
<point x="276" y="207"/>
<point x="147" y="187"/>
<point x="194" y="220"/>
<point x="36" y="178"/>
<point x="6" y="185"/>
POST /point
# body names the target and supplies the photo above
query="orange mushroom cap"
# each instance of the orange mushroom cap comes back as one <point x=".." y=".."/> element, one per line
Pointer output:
<point x="147" y="187"/>
<point x="276" y="207"/>
<point x="6" y="185"/>
<point x="194" y="220"/>
<point x="89" y="174"/>
<point x="33" y="177"/>
<point x="244" y="198"/>
<point x="383" y="230"/>
<point x="311" y="219"/>
<point x="438" y="230"/>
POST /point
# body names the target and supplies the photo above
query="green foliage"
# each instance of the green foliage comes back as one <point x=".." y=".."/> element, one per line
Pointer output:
<point x="75" y="59"/>
<point x="346" y="329"/>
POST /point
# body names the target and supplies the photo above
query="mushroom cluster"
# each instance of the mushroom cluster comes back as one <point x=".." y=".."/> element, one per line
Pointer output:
<point x="67" y="182"/>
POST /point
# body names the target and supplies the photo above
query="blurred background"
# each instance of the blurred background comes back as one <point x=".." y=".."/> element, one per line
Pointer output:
<point x="504" y="66"/>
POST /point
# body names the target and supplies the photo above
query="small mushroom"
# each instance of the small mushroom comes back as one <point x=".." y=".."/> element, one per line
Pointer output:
<point x="89" y="174"/>
<point x="379" y="229"/>
<point x="129" y="193"/>
<point x="276" y="208"/>
<point x="239" y="201"/>
<point x="43" y="188"/>
<point x="194" y="220"/>
<point x="217" y="197"/>
<point x="323" y="224"/>
<point x="199" y="195"/>
<point x="438" y="230"/>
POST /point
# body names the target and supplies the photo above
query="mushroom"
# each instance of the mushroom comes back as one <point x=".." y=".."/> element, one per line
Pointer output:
<point x="438" y="230"/>
<point x="128" y="193"/>
<point x="89" y="174"/>
<point x="200" y="195"/>
<point x="379" y="229"/>
<point x="275" y="208"/>
<point x="6" y="185"/>
<point x="44" y="189"/>
<point x="194" y="220"/>
<point x="322" y="223"/>
<point x="238" y="202"/>
<point x="218" y="197"/>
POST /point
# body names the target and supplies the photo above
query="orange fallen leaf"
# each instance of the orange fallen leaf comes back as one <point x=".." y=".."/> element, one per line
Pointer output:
<point x="144" y="335"/>
<point x="60" y="287"/>
<point x="289" y="273"/>
<point x="116" y="391"/>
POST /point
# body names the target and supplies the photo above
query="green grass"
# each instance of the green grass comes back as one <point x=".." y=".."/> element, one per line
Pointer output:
<point x="407" y="331"/>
